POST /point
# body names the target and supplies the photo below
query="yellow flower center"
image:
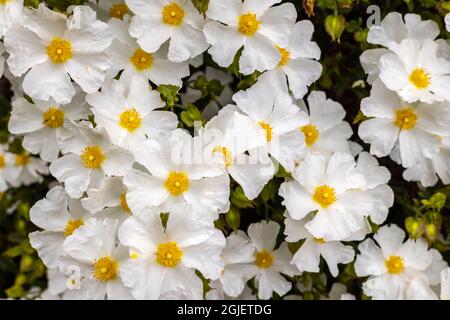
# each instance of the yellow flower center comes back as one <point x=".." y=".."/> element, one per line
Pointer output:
<point x="248" y="24"/>
<point x="2" y="161"/>
<point x="173" y="14"/>
<point x="268" y="128"/>
<point x="119" y="10"/>
<point x="228" y="157"/>
<point x="59" y="50"/>
<point x="406" y="119"/>
<point x="395" y="265"/>
<point x="263" y="259"/>
<point x="420" y="78"/>
<point x="319" y="240"/>
<point x="105" y="269"/>
<point x="325" y="196"/>
<point x="285" y="56"/>
<point x="92" y="157"/>
<point x="4" y="1"/>
<point x="22" y="159"/>
<point x="142" y="60"/>
<point x="311" y="134"/>
<point x="169" y="254"/>
<point x="130" y="119"/>
<point x="177" y="183"/>
<point x="72" y="225"/>
<point x="124" y="204"/>
<point x="53" y="118"/>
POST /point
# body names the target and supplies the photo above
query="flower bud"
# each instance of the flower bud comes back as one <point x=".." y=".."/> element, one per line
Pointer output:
<point x="335" y="25"/>
<point x="414" y="227"/>
<point x="431" y="232"/>
<point x="233" y="219"/>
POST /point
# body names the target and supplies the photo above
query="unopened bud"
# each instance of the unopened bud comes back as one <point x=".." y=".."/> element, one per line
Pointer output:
<point x="233" y="219"/>
<point x="335" y="25"/>
<point x="414" y="227"/>
<point x="431" y="232"/>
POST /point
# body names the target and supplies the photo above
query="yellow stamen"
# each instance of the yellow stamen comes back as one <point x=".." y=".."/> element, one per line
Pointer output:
<point x="124" y="204"/>
<point x="2" y="161"/>
<point x="53" y="118"/>
<point x="395" y="265"/>
<point x="311" y="134"/>
<point x="59" y="50"/>
<point x="142" y="60"/>
<point x="105" y="269"/>
<point x="72" y="225"/>
<point x="406" y="119"/>
<point x="130" y="119"/>
<point x="324" y="195"/>
<point x="177" y="183"/>
<point x="248" y="24"/>
<point x="169" y="254"/>
<point x="420" y="78"/>
<point x="92" y="157"/>
<point x="285" y="56"/>
<point x="22" y="159"/>
<point x="268" y="128"/>
<point x="173" y="14"/>
<point x="264" y="259"/>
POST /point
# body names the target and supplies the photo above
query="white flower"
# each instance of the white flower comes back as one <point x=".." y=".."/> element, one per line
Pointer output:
<point x="325" y="131"/>
<point x="237" y="256"/>
<point x="415" y="127"/>
<point x="59" y="216"/>
<point x="251" y="24"/>
<point x="376" y="178"/>
<point x="445" y="284"/>
<point x="2" y="59"/>
<point x="5" y="157"/>
<point x="277" y="119"/>
<point x="10" y="15"/>
<point x="296" y="69"/>
<point x="88" y="160"/>
<point x="226" y="139"/>
<point x="447" y="22"/>
<point x="416" y="72"/>
<point x="174" y="177"/>
<point x="93" y="250"/>
<point x="270" y="263"/>
<point x="428" y="171"/>
<point x="393" y="30"/>
<point x="126" y="110"/>
<point x="211" y="75"/>
<point x="55" y="49"/>
<point x="24" y="169"/>
<point x="109" y="199"/>
<point x="134" y="61"/>
<point x="307" y="258"/>
<point x="163" y="260"/>
<point x="46" y="124"/>
<point x="333" y="187"/>
<point x="393" y="264"/>
<point x="176" y="21"/>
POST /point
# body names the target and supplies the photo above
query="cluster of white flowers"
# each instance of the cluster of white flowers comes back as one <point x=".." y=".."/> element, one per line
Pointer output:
<point x="409" y="105"/>
<point x="133" y="214"/>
